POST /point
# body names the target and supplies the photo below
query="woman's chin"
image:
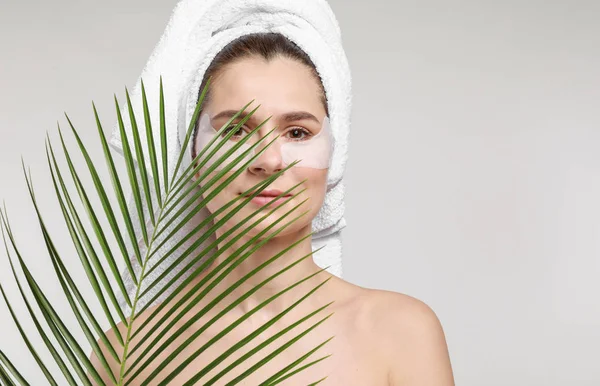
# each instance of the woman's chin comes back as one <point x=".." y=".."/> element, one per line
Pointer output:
<point x="270" y="227"/>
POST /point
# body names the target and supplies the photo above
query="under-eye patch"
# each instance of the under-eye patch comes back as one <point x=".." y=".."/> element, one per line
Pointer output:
<point x="314" y="152"/>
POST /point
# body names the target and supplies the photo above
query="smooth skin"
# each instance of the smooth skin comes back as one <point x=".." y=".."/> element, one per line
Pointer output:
<point x="380" y="337"/>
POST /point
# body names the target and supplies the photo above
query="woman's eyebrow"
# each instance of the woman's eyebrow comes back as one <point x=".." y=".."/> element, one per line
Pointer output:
<point x="298" y="116"/>
<point x="286" y="117"/>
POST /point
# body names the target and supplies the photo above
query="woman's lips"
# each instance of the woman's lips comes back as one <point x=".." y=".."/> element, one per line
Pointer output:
<point x="267" y="196"/>
<point x="263" y="200"/>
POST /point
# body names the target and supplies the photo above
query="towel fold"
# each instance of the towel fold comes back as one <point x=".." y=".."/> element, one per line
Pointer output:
<point x="195" y="33"/>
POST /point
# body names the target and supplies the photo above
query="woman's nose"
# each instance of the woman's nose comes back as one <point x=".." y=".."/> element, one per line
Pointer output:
<point x="270" y="160"/>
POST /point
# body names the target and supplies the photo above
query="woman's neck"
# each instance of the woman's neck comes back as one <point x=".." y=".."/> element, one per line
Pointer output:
<point x="304" y="266"/>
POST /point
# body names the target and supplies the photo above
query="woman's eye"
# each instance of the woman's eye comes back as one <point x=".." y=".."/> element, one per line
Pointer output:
<point x="299" y="134"/>
<point x="238" y="133"/>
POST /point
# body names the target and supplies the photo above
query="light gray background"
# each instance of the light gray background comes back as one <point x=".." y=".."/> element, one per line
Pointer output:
<point x="480" y="195"/>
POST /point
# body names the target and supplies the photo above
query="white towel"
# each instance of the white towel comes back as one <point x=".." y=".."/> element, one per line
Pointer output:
<point x="196" y="32"/>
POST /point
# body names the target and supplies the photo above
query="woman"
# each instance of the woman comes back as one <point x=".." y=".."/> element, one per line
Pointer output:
<point x="381" y="337"/>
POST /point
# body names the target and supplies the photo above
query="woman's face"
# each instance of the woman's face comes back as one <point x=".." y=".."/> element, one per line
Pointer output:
<point x="280" y="86"/>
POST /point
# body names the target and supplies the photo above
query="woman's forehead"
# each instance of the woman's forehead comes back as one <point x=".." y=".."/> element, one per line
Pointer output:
<point x="279" y="85"/>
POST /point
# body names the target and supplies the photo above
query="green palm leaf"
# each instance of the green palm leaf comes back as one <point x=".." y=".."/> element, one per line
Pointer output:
<point x="159" y="200"/>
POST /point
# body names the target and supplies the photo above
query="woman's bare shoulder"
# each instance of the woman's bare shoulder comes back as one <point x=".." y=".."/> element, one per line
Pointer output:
<point x="117" y="347"/>
<point x="411" y="336"/>
<point x="381" y="305"/>
<point x="386" y="311"/>
<point x="109" y="355"/>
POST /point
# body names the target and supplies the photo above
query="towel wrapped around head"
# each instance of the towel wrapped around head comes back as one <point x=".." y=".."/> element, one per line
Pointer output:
<point x="195" y="33"/>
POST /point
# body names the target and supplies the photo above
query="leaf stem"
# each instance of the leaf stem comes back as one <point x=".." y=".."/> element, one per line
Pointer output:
<point x="133" y="307"/>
